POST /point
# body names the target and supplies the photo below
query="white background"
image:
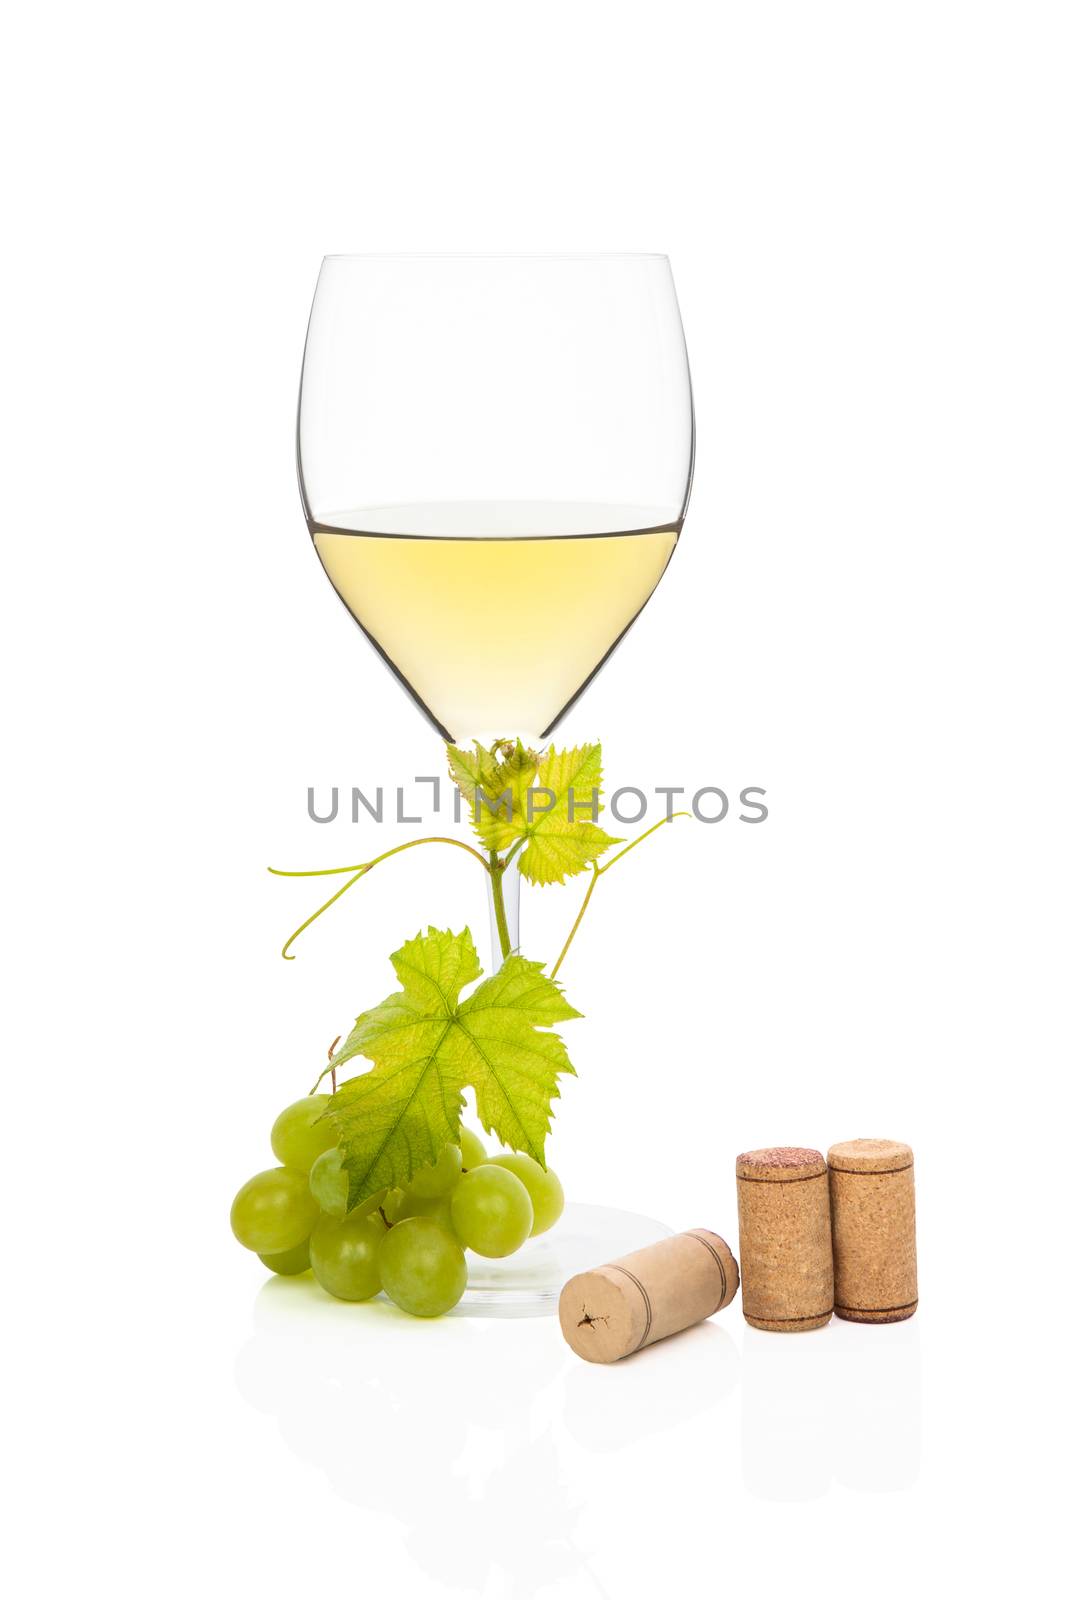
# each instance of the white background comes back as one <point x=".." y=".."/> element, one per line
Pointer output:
<point x="863" y="205"/>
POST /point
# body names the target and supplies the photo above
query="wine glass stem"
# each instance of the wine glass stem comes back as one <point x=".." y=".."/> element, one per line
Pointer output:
<point x="503" y="909"/>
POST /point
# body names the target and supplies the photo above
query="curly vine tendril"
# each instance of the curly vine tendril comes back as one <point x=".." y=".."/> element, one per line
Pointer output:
<point x="359" y="870"/>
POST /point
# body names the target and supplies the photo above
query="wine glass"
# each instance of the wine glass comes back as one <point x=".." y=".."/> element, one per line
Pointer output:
<point x="494" y="456"/>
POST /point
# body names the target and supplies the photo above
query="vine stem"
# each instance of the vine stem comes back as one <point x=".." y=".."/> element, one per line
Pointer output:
<point x="496" y="873"/>
<point x="359" y="870"/>
<point x="328" y="1068"/>
<point x="598" y="873"/>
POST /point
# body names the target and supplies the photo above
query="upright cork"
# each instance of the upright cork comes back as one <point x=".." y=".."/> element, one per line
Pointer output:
<point x="619" y="1308"/>
<point x="787" y="1266"/>
<point x="872" y="1208"/>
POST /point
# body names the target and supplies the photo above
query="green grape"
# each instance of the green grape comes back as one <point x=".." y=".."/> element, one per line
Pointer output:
<point x="288" y="1263"/>
<point x="344" y="1255"/>
<point x="491" y="1211"/>
<point x="298" y="1138"/>
<point x="424" y="1270"/>
<point x="438" y="1210"/>
<point x="394" y="1199"/>
<point x="273" y="1212"/>
<point x="540" y="1183"/>
<point x="366" y="1208"/>
<point x="471" y="1149"/>
<point x="429" y="1183"/>
<point x="329" y="1182"/>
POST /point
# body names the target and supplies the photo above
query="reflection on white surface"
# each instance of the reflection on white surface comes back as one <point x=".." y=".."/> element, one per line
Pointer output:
<point x="498" y="1462"/>
<point x="877" y="1406"/>
<point x="785" y="1426"/>
<point x="841" y="1404"/>
<point x="608" y="1407"/>
<point x="458" y="1429"/>
<point x="425" y="1424"/>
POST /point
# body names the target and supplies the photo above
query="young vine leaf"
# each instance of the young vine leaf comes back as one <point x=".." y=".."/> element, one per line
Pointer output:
<point x="538" y="805"/>
<point x="495" y="787"/>
<point x="427" y="1045"/>
<point x="477" y="769"/>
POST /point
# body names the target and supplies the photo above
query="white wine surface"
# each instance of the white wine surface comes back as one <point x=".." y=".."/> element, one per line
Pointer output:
<point x="495" y="617"/>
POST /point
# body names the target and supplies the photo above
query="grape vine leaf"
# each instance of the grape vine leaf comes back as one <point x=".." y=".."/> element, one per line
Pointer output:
<point x="557" y="842"/>
<point x="557" y="846"/>
<point x="427" y="1045"/>
<point x="495" y="788"/>
<point x="471" y="769"/>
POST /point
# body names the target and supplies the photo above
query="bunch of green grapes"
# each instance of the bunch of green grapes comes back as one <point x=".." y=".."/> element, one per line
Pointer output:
<point x="411" y="1242"/>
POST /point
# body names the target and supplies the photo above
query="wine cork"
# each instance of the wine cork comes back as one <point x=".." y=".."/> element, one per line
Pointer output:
<point x="616" y="1309"/>
<point x="872" y="1209"/>
<point x="787" y="1266"/>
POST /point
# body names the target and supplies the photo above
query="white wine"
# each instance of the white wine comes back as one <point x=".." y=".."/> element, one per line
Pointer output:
<point x="495" y="617"/>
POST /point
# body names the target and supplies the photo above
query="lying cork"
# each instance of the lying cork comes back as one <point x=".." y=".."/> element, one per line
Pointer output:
<point x="616" y="1309"/>
<point x="787" y="1269"/>
<point x="872" y="1208"/>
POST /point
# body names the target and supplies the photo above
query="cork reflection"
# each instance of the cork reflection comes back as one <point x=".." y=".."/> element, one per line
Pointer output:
<point x="660" y="1387"/>
<point x="841" y="1405"/>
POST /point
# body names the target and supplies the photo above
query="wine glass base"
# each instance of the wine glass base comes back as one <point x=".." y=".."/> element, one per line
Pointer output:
<point x="528" y="1283"/>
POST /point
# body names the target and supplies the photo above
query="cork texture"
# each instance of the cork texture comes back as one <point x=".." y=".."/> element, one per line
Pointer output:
<point x="783" y="1210"/>
<point x="872" y="1208"/>
<point x="625" y="1305"/>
